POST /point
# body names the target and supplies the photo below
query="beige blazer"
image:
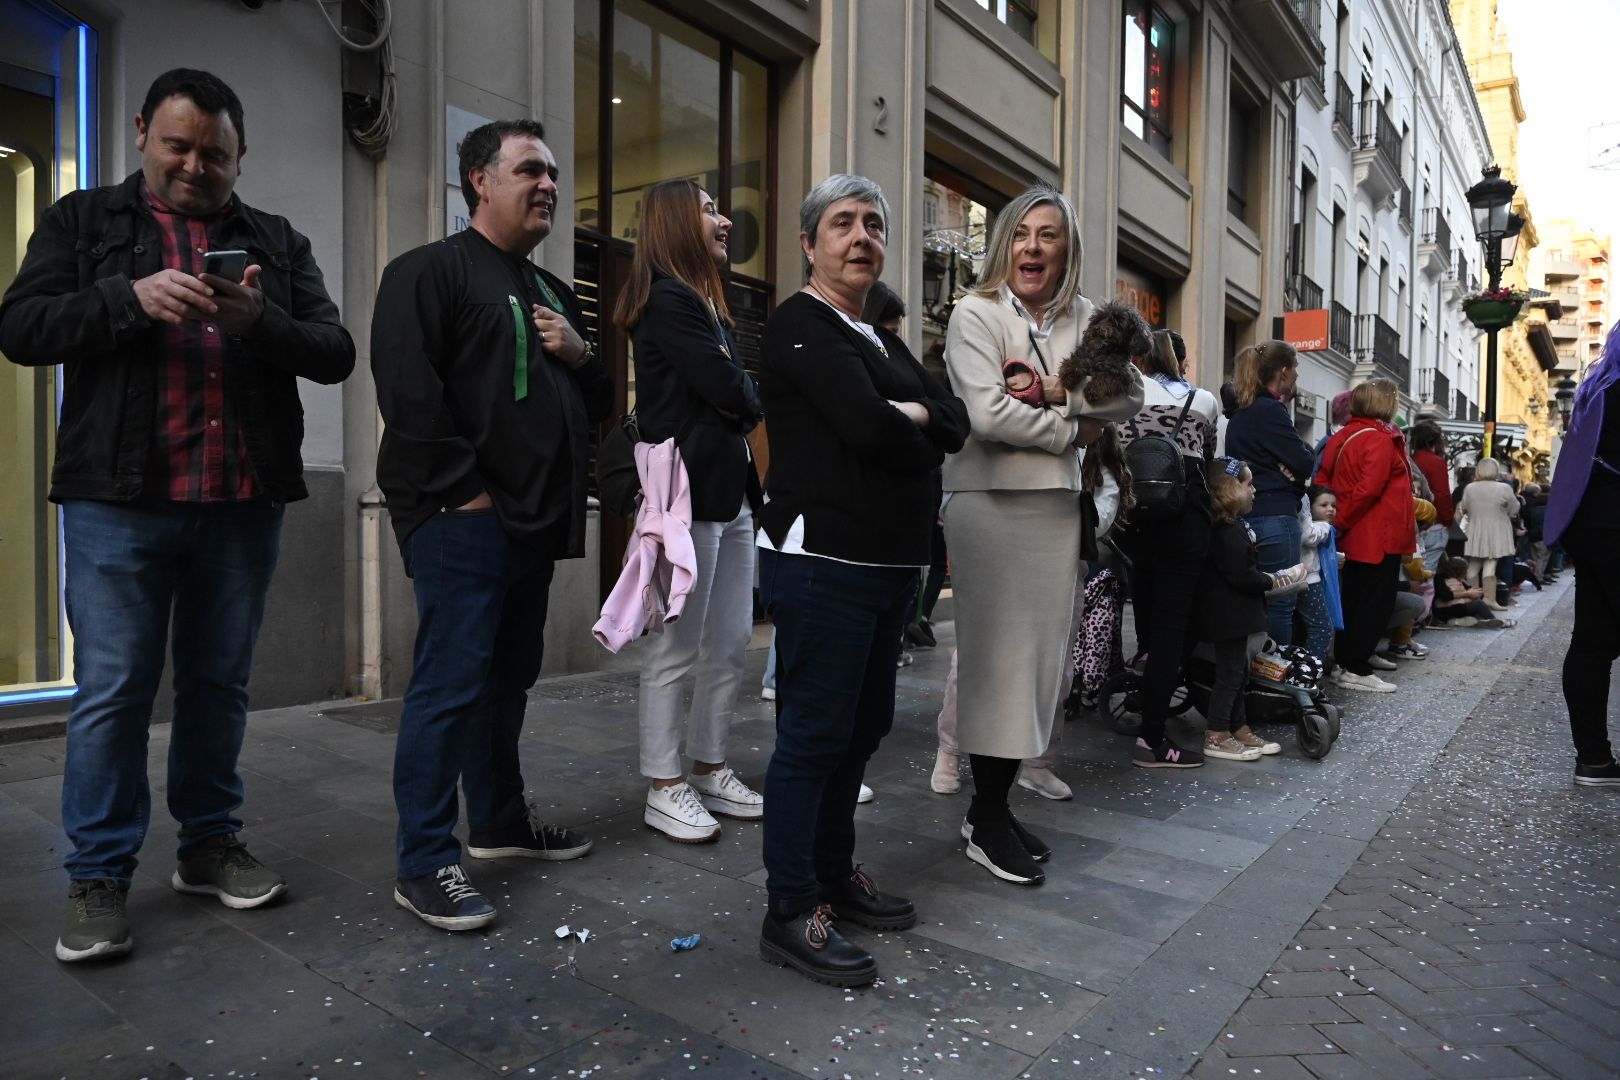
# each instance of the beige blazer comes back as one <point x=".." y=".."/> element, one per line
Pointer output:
<point x="1012" y="446"/>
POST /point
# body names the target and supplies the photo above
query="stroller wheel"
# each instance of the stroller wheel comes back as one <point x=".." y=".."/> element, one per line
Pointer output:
<point x="1119" y="700"/>
<point x="1315" y="735"/>
<point x="1331" y="711"/>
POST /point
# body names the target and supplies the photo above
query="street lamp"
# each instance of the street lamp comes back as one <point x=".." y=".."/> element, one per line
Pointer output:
<point x="1489" y="200"/>
<point x="1510" y="240"/>
<point x="1564" y="399"/>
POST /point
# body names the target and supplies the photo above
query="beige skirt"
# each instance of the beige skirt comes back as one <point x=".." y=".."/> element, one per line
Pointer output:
<point x="1015" y="561"/>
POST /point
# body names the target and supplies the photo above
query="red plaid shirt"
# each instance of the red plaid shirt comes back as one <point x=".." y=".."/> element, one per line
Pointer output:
<point x="198" y="451"/>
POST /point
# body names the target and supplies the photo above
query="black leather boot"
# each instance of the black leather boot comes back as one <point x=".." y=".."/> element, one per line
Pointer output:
<point x="856" y="899"/>
<point x="809" y="943"/>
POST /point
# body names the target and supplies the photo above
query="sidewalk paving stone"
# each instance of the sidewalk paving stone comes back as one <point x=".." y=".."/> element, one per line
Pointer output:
<point x="1282" y="919"/>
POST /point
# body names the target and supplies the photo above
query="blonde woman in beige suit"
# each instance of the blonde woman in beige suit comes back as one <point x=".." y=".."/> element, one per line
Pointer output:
<point x="1012" y="515"/>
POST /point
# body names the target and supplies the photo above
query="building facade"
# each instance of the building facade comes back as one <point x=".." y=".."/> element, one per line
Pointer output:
<point x="1170" y="122"/>
<point x="1572" y="265"/>
<point x="1380" y="257"/>
<point x="1526" y="350"/>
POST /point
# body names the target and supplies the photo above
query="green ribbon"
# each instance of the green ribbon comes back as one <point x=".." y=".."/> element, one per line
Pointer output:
<point x="520" y="365"/>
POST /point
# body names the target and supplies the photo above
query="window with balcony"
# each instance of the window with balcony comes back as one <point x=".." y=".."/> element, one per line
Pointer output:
<point x="1145" y="97"/>
<point x="1019" y="15"/>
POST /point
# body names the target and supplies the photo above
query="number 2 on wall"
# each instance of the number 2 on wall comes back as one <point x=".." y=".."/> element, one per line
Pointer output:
<point x="880" y="123"/>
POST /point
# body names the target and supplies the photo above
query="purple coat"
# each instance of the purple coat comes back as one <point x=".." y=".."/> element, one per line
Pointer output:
<point x="1575" y="459"/>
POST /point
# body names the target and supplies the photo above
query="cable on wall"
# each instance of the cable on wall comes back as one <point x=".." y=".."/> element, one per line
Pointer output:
<point x="369" y="118"/>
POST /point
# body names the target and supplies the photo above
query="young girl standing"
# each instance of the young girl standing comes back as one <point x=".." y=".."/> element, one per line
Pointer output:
<point x="1319" y="604"/>
<point x="1232" y="611"/>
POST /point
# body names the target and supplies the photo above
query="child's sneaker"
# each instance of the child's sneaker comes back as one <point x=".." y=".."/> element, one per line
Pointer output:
<point x="1222" y="745"/>
<point x="1167" y="755"/>
<point x="1410" y="651"/>
<point x="1254" y="742"/>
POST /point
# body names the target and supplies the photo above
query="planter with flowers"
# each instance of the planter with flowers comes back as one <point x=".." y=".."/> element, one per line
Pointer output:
<point x="1494" y="309"/>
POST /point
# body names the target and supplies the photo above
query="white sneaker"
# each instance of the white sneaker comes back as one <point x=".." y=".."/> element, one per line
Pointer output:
<point x="767" y="693"/>
<point x="1372" y="684"/>
<point x="1045" y="783"/>
<point x="866" y="795"/>
<point x="947" y="779"/>
<point x="678" y="814"/>
<point x="722" y="793"/>
<point x="1380" y="663"/>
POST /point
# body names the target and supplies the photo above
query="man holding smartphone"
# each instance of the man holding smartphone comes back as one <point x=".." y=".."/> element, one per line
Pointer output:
<point x="177" y="448"/>
<point x="488" y="393"/>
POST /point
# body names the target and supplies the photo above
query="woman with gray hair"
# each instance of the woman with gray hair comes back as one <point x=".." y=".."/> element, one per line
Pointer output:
<point x="858" y="431"/>
<point x="1013" y="522"/>
<point x="1489" y="509"/>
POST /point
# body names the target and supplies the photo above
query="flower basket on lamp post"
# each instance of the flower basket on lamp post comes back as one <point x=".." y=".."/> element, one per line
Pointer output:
<point x="1494" y="309"/>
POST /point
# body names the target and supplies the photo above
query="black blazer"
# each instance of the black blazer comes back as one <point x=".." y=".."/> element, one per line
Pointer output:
<point x="1232" y="599"/>
<point x="688" y="377"/>
<point x="865" y="479"/>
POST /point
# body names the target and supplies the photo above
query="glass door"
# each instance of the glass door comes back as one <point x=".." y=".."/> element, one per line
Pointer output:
<point x="47" y="138"/>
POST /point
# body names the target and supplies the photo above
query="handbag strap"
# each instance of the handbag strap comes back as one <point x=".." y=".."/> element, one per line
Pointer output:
<point x="1192" y="392"/>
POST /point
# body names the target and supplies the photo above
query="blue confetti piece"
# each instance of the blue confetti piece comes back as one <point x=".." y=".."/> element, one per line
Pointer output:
<point x="682" y="944"/>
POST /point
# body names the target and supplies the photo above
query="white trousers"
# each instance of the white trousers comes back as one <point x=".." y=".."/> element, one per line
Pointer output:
<point x="709" y="639"/>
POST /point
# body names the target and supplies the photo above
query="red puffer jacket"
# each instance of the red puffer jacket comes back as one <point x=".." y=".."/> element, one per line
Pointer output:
<point x="1365" y="465"/>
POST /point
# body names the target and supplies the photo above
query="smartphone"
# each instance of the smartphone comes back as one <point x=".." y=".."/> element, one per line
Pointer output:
<point x="230" y="265"/>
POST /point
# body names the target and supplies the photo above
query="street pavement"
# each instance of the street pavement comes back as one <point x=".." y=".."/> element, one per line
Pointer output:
<point x="1432" y="899"/>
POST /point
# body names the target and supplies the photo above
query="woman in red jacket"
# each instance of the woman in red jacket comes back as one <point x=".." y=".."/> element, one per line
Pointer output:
<point x="1365" y="465"/>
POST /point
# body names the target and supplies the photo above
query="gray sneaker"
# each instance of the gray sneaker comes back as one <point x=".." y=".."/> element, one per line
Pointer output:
<point x="221" y="867"/>
<point x="96" y="925"/>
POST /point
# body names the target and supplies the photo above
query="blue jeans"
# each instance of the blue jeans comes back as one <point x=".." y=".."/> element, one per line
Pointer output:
<point x="1313" y="612"/>
<point x="130" y="568"/>
<point x="480" y="636"/>
<point x="837" y="639"/>
<point x="1278" y="538"/>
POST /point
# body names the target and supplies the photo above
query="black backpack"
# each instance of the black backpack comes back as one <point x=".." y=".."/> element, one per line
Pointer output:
<point x="1158" y="475"/>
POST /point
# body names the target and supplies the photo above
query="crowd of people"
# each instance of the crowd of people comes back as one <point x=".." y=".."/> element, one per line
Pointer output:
<point x="1063" y="458"/>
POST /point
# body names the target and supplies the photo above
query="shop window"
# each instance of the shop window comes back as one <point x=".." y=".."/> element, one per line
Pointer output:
<point x="47" y="147"/>
<point x="1149" y="48"/>
<point x="1146" y="291"/>
<point x="958" y="212"/>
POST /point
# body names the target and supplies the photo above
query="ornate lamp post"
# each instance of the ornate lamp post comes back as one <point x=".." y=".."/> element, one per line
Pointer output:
<point x="1493" y="225"/>
<point x="1564" y="398"/>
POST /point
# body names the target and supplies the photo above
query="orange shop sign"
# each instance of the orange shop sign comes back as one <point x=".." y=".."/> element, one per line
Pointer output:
<point x="1306" y="331"/>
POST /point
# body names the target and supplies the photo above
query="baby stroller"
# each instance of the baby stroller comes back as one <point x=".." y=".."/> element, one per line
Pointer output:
<point x="1290" y="693"/>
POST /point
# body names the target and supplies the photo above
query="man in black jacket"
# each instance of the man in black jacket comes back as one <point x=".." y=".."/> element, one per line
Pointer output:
<point x="488" y="392"/>
<point x="178" y="445"/>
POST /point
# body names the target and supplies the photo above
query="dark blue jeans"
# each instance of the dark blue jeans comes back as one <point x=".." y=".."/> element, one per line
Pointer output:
<point x="837" y="639"/>
<point x="1278" y="537"/>
<point x="131" y="567"/>
<point x="480" y="636"/>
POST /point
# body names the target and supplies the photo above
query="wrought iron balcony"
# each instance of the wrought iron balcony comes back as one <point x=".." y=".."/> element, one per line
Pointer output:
<point x="1434" y="388"/>
<point x="1434" y="243"/>
<point x="1344" y="110"/>
<point x="1306" y="294"/>
<point x="1378" y="345"/>
<point x="1290" y="32"/>
<point x="1339" y="328"/>
<point x="1377" y="157"/>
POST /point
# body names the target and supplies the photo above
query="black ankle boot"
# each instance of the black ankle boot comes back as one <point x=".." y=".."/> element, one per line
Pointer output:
<point x="809" y="943"/>
<point x="995" y="846"/>
<point x="856" y="899"/>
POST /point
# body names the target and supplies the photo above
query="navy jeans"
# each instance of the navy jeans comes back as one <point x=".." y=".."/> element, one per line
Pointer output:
<point x="130" y="568"/>
<point x="837" y="639"/>
<point x="481" y="619"/>
<point x="1278" y="538"/>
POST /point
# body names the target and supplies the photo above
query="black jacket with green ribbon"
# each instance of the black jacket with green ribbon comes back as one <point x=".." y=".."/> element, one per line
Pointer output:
<point x="470" y="400"/>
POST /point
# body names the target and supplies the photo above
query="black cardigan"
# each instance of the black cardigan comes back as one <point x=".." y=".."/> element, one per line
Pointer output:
<point x="688" y="375"/>
<point x="1263" y="437"/>
<point x="864" y="477"/>
<point x="1232" y="598"/>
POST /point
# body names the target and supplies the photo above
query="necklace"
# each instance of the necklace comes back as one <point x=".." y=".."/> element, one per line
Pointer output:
<point x="868" y="332"/>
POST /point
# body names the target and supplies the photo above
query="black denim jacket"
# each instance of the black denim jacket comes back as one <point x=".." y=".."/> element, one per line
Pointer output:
<point x="73" y="303"/>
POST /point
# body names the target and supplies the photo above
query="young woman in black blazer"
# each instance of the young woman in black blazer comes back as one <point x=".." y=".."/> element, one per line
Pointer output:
<point x="691" y="386"/>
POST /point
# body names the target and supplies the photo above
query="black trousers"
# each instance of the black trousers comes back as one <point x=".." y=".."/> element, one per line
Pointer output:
<point x="1594" y="643"/>
<point x="1367" y="594"/>
<point x="1167" y="564"/>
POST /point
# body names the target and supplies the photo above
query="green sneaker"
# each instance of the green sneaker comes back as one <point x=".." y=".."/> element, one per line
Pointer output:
<point x="96" y="925"/>
<point x="220" y="866"/>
